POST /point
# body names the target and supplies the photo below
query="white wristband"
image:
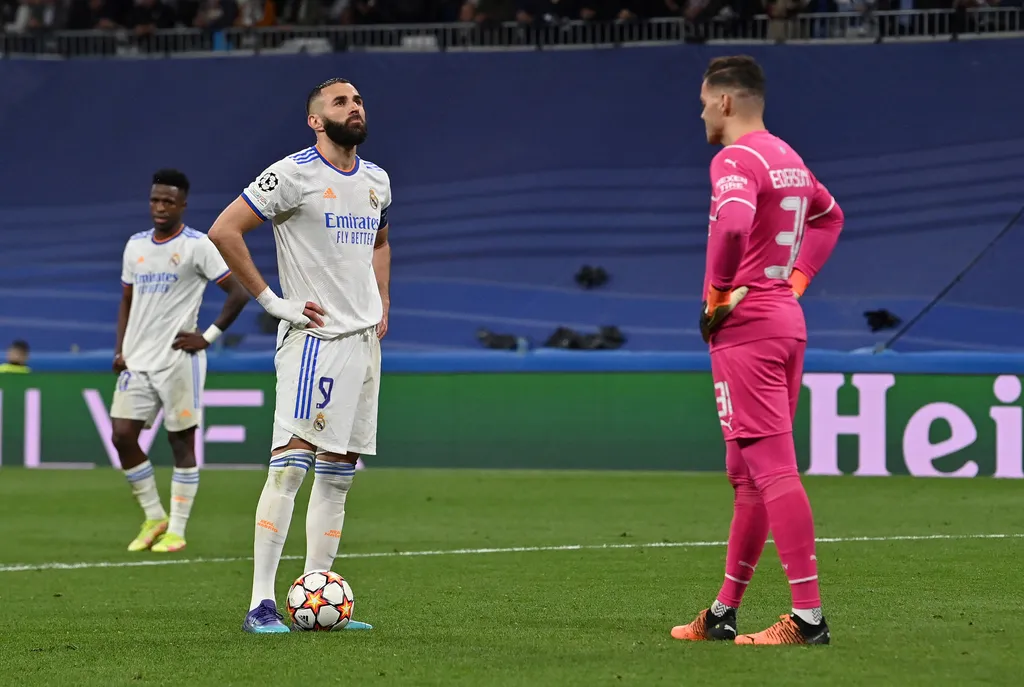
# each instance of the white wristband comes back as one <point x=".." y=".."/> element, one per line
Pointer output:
<point x="284" y="309"/>
<point x="266" y="297"/>
<point x="212" y="333"/>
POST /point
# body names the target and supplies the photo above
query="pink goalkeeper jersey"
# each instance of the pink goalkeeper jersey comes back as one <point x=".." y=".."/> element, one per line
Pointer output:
<point x="762" y="174"/>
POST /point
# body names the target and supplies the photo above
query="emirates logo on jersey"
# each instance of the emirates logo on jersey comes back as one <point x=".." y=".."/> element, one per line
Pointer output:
<point x="374" y="203"/>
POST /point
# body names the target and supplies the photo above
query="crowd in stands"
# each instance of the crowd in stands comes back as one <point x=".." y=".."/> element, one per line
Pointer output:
<point x="143" y="16"/>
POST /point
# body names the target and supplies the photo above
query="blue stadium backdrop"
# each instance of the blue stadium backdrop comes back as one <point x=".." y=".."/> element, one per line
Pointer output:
<point x="510" y="170"/>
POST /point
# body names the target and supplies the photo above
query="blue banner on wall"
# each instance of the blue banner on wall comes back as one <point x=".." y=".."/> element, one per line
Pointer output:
<point x="511" y="170"/>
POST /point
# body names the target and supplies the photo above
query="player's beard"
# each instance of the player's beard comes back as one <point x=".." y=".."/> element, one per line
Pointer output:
<point x="344" y="134"/>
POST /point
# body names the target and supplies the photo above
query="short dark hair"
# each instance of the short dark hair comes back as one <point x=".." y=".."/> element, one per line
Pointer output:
<point x="20" y="344"/>
<point x="171" y="177"/>
<point x="741" y="72"/>
<point x="313" y="94"/>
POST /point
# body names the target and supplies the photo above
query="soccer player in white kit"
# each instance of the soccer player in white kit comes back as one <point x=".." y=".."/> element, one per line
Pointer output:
<point x="160" y="357"/>
<point x="329" y="209"/>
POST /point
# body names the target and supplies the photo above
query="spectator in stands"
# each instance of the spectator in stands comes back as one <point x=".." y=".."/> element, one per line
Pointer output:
<point x="783" y="23"/>
<point x="149" y="15"/>
<point x="185" y="11"/>
<point x="338" y="11"/>
<point x="694" y="10"/>
<point x="216" y="15"/>
<point x="962" y="22"/>
<point x="36" y="16"/>
<point x="17" y="359"/>
<point x="483" y="12"/>
<point x="707" y="19"/>
<point x="401" y="11"/>
<point x="8" y="9"/>
<point x="632" y="10"/>
<point x="316" y="12"/>
<point x="488" y="12"/>
<point x="89" y="15"/>
<point x="264" y="12"/>
<point x="542" y="12"/>
<point x="353" y="12"/>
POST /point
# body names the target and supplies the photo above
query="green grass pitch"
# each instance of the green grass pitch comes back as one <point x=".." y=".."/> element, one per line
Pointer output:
<point x="904" y="609"/>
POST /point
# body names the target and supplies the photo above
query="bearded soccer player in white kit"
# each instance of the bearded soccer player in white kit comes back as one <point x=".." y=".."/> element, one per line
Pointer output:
<point x="160" y="356"/>
<point x="329" y="209"/>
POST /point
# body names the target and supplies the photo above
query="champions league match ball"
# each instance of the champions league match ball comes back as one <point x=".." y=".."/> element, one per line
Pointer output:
<point x="320" y="601"/>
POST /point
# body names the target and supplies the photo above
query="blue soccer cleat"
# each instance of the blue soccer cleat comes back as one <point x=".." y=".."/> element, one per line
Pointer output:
<point x="356" y="625"/>
<point x="264" y="619"/>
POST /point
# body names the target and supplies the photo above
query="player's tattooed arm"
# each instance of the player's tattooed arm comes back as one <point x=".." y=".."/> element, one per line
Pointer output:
<point x="122" y="324"/>
<point x="382" y="270"/>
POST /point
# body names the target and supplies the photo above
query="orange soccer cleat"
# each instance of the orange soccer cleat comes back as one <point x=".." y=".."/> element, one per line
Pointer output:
<point x="789" y="630"/>
<point x="708" y="627"/>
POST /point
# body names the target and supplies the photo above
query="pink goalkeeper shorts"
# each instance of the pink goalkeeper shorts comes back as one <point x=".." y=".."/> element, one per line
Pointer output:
<point x="757" y="385"/>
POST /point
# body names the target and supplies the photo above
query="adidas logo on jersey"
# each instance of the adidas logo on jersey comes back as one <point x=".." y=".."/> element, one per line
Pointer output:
<point x="329" y="193"/>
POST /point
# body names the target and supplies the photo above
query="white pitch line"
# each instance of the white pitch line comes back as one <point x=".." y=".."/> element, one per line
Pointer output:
<point x="27" y="567"/>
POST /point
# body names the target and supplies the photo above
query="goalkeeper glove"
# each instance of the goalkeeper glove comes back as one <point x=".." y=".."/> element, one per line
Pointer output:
<point x="798" y="281"/>
<point x="717" y="307"/>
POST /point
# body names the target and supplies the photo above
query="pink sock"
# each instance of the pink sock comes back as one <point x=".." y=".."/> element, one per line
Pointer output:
<point x="748" y="532"/>
<point x="772" y="464"/>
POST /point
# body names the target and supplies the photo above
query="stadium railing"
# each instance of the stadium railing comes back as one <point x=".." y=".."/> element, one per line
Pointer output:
<point x="856" y="27"/>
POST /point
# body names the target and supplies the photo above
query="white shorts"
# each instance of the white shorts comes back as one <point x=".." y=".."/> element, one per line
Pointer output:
<point x="177" y="389"/>
<point x="327" y="391"/>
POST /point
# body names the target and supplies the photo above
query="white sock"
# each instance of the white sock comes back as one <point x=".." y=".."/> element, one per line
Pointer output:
<point x="273" y="517"/>
<point x="143" y="484"/>
<point x="326" y="513"/>
<point x="184" y="485"/>
<point x="811" y="616"/>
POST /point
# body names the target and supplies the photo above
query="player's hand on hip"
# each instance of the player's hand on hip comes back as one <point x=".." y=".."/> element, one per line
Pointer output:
<point x="718" y="306"/>
<point x="301" y="314"/>
<point x="190" y="342"/>
<point x="313" y="314"/>
<point x="306" y="315"/>
<point x="799" y="282"/>
<point x="119" y="365"/>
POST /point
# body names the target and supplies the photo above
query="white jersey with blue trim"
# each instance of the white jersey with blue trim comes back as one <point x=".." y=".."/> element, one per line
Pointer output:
<point x="325" y="224"/>
<point x="168" y="278"/>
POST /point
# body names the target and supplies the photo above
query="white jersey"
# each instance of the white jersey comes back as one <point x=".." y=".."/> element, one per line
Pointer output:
<point x="168" y="279"/>
<point x="325" y="225"/>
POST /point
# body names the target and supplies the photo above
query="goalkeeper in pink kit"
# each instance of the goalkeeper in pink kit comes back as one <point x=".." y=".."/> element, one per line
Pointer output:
<point x="772" y="227"/>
